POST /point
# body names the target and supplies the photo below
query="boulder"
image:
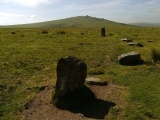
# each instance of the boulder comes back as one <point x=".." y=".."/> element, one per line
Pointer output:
<point x="150" y="41"/>
<point x="126" y="40"/>
<point x="135" y="44"/>
<point x="71" y="74"/>
<point x="95" y="81"/>
<point x="13" y="32"/>
<point x="132" y="58"/>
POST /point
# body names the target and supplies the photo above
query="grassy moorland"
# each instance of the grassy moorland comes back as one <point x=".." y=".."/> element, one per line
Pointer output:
<point x="28" y="61"/>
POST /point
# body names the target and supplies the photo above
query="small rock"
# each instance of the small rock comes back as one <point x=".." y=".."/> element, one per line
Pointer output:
<point x="126" y="40"/>
<point x="95" y="81"/>
<point x="80" y="114"/>
<point x="13" y="32"/>
<point x="150" y="41"/>
<point x="135" y="44"/>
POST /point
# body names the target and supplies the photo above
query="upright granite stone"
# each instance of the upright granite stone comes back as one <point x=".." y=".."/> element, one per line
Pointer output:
<point x="103" y="32"/>
<point x="71" y="74"/>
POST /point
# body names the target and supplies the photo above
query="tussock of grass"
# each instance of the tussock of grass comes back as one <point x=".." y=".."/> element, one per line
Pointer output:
<point x="155" y="54"/>
<point x="96" y="71"/>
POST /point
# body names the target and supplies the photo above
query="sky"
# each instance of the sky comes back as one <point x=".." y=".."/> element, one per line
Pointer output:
<point x="123" y="11"/>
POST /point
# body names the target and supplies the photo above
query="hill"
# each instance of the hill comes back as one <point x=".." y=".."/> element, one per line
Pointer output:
<point x="146" y="24"/>
<point x="76" y="22"/>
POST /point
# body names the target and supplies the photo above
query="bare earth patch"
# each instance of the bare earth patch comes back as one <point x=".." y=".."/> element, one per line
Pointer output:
<point x="108" y="97"/>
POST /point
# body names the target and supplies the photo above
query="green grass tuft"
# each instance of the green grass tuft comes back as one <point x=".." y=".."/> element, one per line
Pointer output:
<point x="155" y="55"/>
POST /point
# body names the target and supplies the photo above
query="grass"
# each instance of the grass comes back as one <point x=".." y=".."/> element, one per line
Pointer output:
<point x="28" y="63"/>
<point x="155" y="55"/>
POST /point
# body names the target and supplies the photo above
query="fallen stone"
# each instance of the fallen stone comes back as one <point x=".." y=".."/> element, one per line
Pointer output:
<point x="150" y="41"/>
<point x="95" y="81"/>
<point x="132" y="58"/>
<point x="135" y="44"/>
<point x="13" y="32"/>
<point x="126" y="40"/>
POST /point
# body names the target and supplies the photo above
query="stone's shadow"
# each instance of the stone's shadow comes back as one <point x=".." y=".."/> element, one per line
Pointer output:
<point x="84" y="101"/>
<point x="97" y="109"/>
<point x="140" y="62"/>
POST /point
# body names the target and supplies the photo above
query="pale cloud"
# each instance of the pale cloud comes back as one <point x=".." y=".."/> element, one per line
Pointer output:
<point x="29" y="3"/>
<point x="107" y="5"/>
<point x="33" y="16"/>
<point x="10" y="18"/>
<point x="10" y="15"/>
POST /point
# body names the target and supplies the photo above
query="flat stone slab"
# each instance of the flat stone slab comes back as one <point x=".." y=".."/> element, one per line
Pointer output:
<point x="126" y="40"/>
<point x="95" y="81"/>
<point x="150" y="40"/>
<point x="135" y="44"/>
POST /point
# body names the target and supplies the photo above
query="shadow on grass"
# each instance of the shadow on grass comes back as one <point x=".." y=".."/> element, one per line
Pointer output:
<point x="97" y="109"/>
<point x="140" y="62"/>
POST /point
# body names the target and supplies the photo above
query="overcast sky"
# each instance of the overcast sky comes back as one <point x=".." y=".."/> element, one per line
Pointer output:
<point x="124" y="11"/>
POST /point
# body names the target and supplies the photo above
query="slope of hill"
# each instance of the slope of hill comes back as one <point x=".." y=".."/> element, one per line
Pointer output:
<point x="146" y="24"/>
<point x="79" y="21"/>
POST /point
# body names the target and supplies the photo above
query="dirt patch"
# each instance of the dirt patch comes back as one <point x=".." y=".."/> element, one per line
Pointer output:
<point x="108" y="97"/>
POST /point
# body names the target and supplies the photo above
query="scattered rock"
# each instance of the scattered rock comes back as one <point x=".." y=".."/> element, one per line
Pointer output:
<point x="126" y="40"/>
<point x="80" y="114"/>
<point x="13" y="32"/>
<point x="150" y="41"/>
<point x="61" y="32"/>
<point x="132" y="58"/>
<point x="82" y="33"/>
<point x="110" y="34"/>
<point x="135" y="44"/>
<point x="95" y="81"/>
<point x="44" y="32"/>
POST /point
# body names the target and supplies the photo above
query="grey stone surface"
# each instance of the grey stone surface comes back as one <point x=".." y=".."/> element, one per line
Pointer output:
<point x="95" y="81"/>
<point x="135" y="44"/>
<point x="131" y="58"/>
<point x="71" y="74"/>
<point x="126" y="40"/>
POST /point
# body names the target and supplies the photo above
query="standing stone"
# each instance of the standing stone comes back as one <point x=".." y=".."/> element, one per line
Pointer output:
<point x="71" y="74"/>
<point x="103" y="32"/>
